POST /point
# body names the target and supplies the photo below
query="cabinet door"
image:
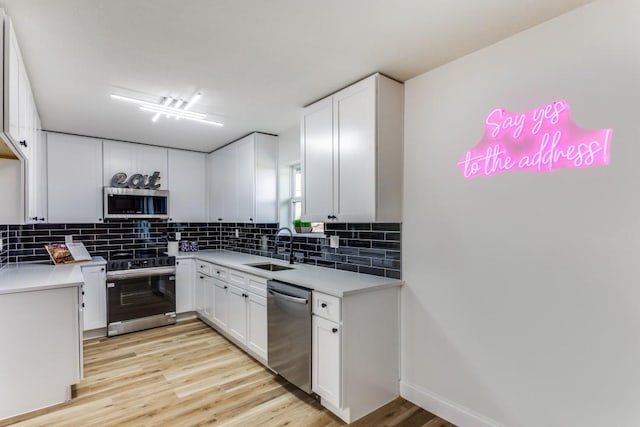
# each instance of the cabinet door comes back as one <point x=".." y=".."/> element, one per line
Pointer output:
<point x="237" y="325"/>
<point x="46" y="354"/>
<point x="257" y="325"/>
<point x="325" y="360"/>
<point x="245" y="178"/>
<point x="220" y="303"/>
<point x="266" y="178"/>
<point x="187" y="186"/>
<point x="74" y="182"/>
<point x="12" y="83"/>
<point x="36" y="209"/>
<point x="95" y="297"/>
<point x="24" y="111"/>
<point x="119" y="157"/>
<point x="208" y="298"/>
<point x="216" y="182"/>
<point x="32" y="170"/>
<point x="317" y="160"/>
<point x="152" y="159"/>
<point x="355" y="152"/>
<point x="132" y="159"/>
<point x="185" y="285"/>
<point x="199" y="297"/>
<point x="42" y="172"/>
<point x="229" y="192"/>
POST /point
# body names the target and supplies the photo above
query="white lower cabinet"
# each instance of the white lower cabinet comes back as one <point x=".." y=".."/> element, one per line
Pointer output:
<point x="235" y="304"/>
<point x="185" y="285"/>
<point x="257" y="324"/>
<point x="199" y="290"/>
<point x="237" y="327"/>
<point x="94" y="297"/>
<point x="41" y="356"/>
<point x="355" y="363"/>
<point x="325" y="355"/>
<point x="220" y="303"/>
<point x="208" y="298"/>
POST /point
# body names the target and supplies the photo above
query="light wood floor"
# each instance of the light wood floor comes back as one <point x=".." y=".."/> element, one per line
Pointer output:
<point x="189" y="375"/>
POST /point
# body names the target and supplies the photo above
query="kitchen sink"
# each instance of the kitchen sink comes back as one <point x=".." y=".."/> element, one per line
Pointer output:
<point x="270" y="267"/>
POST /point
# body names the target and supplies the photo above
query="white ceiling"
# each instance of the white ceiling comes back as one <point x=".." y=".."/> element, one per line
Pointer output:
<point x="256" y="62"/>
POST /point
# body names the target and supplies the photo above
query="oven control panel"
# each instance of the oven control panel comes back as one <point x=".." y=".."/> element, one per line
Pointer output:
<point x="131" y="264"/>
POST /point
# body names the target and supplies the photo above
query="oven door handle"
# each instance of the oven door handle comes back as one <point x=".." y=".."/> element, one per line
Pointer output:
<point x="142" y="272"/>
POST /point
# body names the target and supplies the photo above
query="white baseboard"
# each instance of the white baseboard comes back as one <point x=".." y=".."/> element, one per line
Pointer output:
<point x="94" y="333"/>
<point x="186" y="316"/>
<point x="443" y="408"/>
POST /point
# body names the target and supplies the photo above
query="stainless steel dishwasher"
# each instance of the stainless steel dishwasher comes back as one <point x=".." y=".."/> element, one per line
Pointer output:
<point x="289" y="332"/>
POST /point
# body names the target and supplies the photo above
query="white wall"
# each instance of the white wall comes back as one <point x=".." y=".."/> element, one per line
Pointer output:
<point x="10" y="191"/>
<point x="522" y="296"/>
<point x="288" y="155"/>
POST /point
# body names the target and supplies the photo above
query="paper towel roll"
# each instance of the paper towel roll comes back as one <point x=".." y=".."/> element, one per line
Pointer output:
<point x="172" y="248"/>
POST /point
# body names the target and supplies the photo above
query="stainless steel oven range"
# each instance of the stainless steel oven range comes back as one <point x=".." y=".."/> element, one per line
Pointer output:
<point x="141" y="293"/>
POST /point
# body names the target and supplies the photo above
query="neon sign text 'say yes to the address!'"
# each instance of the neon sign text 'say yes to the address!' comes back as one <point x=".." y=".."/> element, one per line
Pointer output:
<point x="541" y="140"/>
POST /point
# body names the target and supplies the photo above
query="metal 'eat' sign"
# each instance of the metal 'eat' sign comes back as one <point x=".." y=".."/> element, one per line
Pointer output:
<point x="137" y="180"/>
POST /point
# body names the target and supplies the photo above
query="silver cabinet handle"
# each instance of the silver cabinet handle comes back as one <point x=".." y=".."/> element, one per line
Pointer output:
<point x="289" y="297"/>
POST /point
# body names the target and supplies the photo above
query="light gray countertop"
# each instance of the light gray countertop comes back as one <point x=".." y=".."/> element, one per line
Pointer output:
<point x="327" y="280"/>
<point x="25" y="277"/>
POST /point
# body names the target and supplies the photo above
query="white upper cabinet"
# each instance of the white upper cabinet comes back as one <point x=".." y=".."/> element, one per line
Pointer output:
<point x="36" y="176"/>
<point x="12" y="83"/>
<point x="134" y="159"/>
<point x="74" y="170"/>
<point x="22" y="126"/>
<point x="352" y="153"/>
<point x="227" y="175"/>
<point x="317" y="160"/>
<point x="245" y="179"/>
<point x="14" y="79"/>
<point x="215" y="184"/>
<point x="242" y="180"/>
<point x="354" y="117"/>
<point x="20" y="114"/>
<point x="186" y="179"/>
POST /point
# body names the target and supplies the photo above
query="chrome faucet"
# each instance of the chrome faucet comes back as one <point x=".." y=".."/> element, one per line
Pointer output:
<point x="291" y="257"/>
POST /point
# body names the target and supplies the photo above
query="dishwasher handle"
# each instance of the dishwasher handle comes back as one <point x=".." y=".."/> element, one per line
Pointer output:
<point x="289" y="297"/>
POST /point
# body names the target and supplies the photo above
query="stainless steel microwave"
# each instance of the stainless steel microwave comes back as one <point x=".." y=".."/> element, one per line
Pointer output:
<point x="135" y="203"/>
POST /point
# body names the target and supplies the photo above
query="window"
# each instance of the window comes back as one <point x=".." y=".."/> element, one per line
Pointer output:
<point x="296" y="192"/>
<point x="296" y="199"/>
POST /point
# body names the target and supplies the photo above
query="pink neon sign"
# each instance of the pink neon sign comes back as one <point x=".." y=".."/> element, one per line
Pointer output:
<point x="541" y="140"/>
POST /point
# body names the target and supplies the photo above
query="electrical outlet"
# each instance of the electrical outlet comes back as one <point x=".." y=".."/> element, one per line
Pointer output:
<point x="334" y="241"/>
<point x="237" y="233"/>
<point x="178" y="235"/>
<point x="1" y="244"/>
<point x="68" y="239"/>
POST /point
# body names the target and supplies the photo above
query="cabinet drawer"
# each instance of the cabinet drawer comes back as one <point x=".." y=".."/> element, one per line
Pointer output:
<point x="219" y="272"/>
<point x="237" y="278"/>
<point x="326" y="306"/>
<point x="204" y="267"/>
<point x="257" y="285"/>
